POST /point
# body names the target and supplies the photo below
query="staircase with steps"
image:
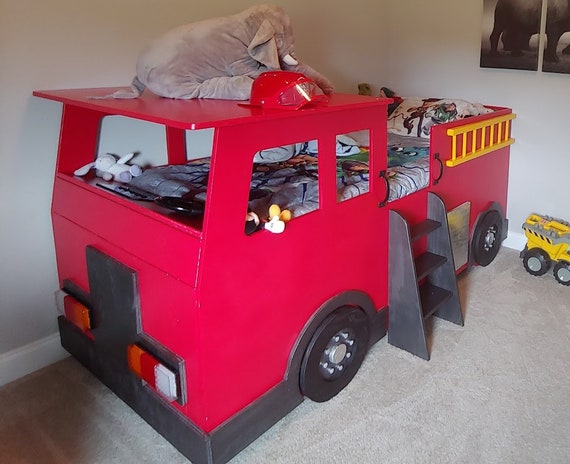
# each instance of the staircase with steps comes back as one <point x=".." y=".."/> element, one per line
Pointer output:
<point x="421" y="285"/>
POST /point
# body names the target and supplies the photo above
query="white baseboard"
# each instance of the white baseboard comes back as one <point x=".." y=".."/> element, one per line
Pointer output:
<point x="515" y="240"/>
<point x="29" y="358"/>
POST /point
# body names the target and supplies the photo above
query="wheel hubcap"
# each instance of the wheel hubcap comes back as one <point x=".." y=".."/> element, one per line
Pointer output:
<point x="490" y="238"/>
<point x="534" y="264"/>
<point x="563" y="274"/>
<point x="337" y="354"/>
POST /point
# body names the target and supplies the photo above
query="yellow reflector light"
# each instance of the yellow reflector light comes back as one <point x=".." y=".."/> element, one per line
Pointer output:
<point x="77" y="313"/>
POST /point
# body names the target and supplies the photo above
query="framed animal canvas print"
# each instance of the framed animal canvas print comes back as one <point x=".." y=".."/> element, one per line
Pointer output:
<point x="557" y="29"/>
<point x="510" y="36"/>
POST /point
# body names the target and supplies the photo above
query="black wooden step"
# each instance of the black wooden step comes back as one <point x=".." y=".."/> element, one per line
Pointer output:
<point x="423" y="228"/>
<point x="432" y="297"/>
<point x="427" y="262"/>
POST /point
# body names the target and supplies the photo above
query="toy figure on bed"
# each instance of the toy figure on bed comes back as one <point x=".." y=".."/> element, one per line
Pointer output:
<point x="220" y="57"/>
<point x="388" y="93"/>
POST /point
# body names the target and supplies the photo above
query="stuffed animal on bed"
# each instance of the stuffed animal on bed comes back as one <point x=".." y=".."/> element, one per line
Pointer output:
<point x="110" y="167"/>
<point x="388" y="93"/>
<point x="220" y="57"/>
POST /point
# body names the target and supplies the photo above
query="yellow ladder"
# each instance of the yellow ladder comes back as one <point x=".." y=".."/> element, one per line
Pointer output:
<point x="485" y="136"/>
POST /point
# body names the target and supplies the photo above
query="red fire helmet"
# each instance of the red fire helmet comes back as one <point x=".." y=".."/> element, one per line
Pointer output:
<point x="285" y="90"/>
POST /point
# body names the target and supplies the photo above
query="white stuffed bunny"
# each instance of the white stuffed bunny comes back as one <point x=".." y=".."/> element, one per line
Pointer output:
<point x="108" y="167"/>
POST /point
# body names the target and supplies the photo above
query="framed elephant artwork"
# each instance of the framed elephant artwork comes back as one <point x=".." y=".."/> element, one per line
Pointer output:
<point x="557" y="29"/>
<point x="510" y="34"/>
<point x="516" y="36"/>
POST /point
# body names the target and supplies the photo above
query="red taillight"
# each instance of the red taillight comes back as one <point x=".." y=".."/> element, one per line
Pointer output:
<point x="153" y="372"/>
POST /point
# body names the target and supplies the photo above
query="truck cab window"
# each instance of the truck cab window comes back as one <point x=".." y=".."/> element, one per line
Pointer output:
<point x="285" y="176"/>
<point x="353" y="164"/>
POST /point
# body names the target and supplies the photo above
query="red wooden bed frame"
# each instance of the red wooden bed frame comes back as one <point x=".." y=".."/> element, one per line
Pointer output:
<point x="213" y="335"/>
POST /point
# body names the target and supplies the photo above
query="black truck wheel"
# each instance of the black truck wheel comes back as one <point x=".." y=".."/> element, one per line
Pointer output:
<point x="562" y="272"/>
<point x="487" y="238"/>
<point x="536" y="261"/>
<point x="334" y="353"/>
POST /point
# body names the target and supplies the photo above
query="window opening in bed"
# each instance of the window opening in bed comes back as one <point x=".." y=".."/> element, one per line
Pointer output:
<point x="352" y="165"/>
<point x="199" y="143"/>
<point x="176" y="190"/>
<point x="408" y="165"/>
<point x="121" y="135"/>
<point x="286" y="176"/>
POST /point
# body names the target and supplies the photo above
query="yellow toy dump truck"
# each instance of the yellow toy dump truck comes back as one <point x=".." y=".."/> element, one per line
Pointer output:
<point x="548" y="242"/>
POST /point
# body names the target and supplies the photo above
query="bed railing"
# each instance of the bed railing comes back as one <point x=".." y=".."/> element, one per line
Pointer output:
<point x="474" y="140"/>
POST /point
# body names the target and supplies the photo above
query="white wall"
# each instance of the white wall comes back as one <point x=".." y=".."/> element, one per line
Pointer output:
<point x="415" y="47"/>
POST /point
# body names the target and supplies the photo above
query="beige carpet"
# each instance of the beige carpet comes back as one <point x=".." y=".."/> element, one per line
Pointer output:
<point x="495" y="391"/>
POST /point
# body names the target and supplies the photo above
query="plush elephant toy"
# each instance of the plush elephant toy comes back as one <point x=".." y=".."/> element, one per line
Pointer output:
<point x="220" y="57"/>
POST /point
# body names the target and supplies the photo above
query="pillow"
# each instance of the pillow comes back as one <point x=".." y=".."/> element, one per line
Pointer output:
<point x="415" y="116"/>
